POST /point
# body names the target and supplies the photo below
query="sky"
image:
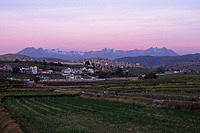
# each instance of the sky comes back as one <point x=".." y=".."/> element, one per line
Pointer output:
<point x="86" y="25"/>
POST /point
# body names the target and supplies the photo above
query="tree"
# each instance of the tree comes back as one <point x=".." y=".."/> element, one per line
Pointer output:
<point x="16" y="70"/>
<point x="35" y="61"/>
<point x="87" y="63"/>
<point x="102" y="74"/>
<point x="44" y="62"/>
<point x="36" y="79"/>
<point x="151" y="75"/>
<point x="17" y="60"/>
<point x="160" y="70"/>
<point x="60" y="64"/>
<point x="119" y="72"/>
<point x="93" y="64"/>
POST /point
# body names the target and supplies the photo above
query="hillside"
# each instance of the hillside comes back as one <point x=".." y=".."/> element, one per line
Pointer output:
<point x="191" y="66"/>
<point x="104" y="53"/>
<point x="156" y="61"/>
<point x="13" y="57"/>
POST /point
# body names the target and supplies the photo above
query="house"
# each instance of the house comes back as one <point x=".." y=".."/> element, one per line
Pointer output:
<point x="24" y="70"/>
<point x="67" y="71"/>
<point x="84" y="69"/>
<point x="34" y="70"/>
<point x="47" y="72"/>
<point x="91" y="71"/>
<point x="72" y="74"/>
<point x="137" y="65"/>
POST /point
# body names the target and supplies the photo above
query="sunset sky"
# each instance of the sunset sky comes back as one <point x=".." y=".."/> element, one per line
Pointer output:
<point x="96" y="24"/>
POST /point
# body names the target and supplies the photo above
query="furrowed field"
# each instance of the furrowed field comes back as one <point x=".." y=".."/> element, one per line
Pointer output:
<point x="75" y="114"/>
<point x="62" y="107"/>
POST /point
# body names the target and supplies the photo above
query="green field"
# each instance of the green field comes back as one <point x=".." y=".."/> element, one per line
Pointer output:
<point x="48" y="111"/>
<point x="75" y="114"/>
<point x="174" y="84"/>
<point x="21" y="93"/>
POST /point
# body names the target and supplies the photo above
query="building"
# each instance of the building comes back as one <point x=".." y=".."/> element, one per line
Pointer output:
<point x="34" y="70"/>
<point x="91" y="71"/>
<point x="137" y="65"/>
<point x="67" y="71"/>
<point x="72" y="74"/>
<point x="24" y="70"/>
<point x="47" y="72"/>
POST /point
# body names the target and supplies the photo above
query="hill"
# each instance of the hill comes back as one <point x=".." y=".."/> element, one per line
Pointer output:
<point x="105" y="53"/>
<point x="156" y="61"/>
<point x="13" y="57"/>
<point x="193" y="67"/>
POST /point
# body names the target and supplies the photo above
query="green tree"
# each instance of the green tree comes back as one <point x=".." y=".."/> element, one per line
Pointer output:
<point x="60" y="64"/>
<point x="36" y="79"/>
<point x="17" y="60"/>
<point x="119" y="72"/>
<point x="160" y="70"/>
<point x="44" y="62"/>
<point x="87" y="63"/>
<point x="151" y="75"/>
<point x="16" y="70"/>
<point x="93" y="64"/>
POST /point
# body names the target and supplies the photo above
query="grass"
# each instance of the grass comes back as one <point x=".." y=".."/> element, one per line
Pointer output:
<point x="21" y="93"/>
<point x="75" y="114"/>
<point x="169" y="83"/>
<point x="71" y="130"/>
<point x="82" y="115"/>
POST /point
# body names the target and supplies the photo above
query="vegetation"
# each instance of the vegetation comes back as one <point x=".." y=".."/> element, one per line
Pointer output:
<point x="57" y="114"/>
<point x="88" y="115"/>
<point x="176" y="84"/>
<point x="21" y="93"/>
<point x="151" y="75"/>
<point x="16" y="70"/>
<point x="128" y="72"/>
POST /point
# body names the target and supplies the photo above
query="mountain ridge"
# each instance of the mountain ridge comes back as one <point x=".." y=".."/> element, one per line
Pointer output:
<point x="157" y="61"/>
<point x="104" y="53"/>
<point x="147" y="61"/>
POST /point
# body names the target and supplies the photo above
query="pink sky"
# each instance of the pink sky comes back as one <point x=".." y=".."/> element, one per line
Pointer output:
<point x="96" y="25"/>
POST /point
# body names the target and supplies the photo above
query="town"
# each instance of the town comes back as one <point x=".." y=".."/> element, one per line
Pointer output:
<point x="79" y="70"/>
<point x="88" y="69"/>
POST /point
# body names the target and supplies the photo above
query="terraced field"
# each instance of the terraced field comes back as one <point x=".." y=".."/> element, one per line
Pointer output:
<point x="175" y="85"/>
<point x="75" y="114"/>
<point x="21" y="93"/>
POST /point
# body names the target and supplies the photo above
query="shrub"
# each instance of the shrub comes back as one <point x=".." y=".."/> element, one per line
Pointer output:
<point x="151" y="75"/>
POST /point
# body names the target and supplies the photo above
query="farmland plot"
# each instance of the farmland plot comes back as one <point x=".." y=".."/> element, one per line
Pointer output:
<point x="75" y="114"/>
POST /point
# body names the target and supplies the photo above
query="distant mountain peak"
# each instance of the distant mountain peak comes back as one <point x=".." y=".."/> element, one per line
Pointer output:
<point x="104" y="53"/>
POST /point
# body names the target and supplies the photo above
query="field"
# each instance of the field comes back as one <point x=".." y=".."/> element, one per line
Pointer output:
<point x="179" y="86"/>
<point x="130" y="109"/>
<point x="21" y="93"/>
<point x="86" y="115"/>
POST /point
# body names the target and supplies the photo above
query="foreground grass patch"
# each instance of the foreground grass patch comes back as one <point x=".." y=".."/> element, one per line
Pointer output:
<point x="60" y="114"/>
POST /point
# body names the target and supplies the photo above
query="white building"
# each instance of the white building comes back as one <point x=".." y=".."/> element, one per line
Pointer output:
<point x="67" y="71"/>
<point x="91" y="71"/>
<point x="47" y="72"/>
<point x="34" y="70"/>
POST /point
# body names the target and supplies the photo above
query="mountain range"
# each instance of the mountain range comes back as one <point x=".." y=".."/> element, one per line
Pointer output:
<point x="104" y="53"/>
<point x="147" y="61"/>
<point x="156" y="61"/>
